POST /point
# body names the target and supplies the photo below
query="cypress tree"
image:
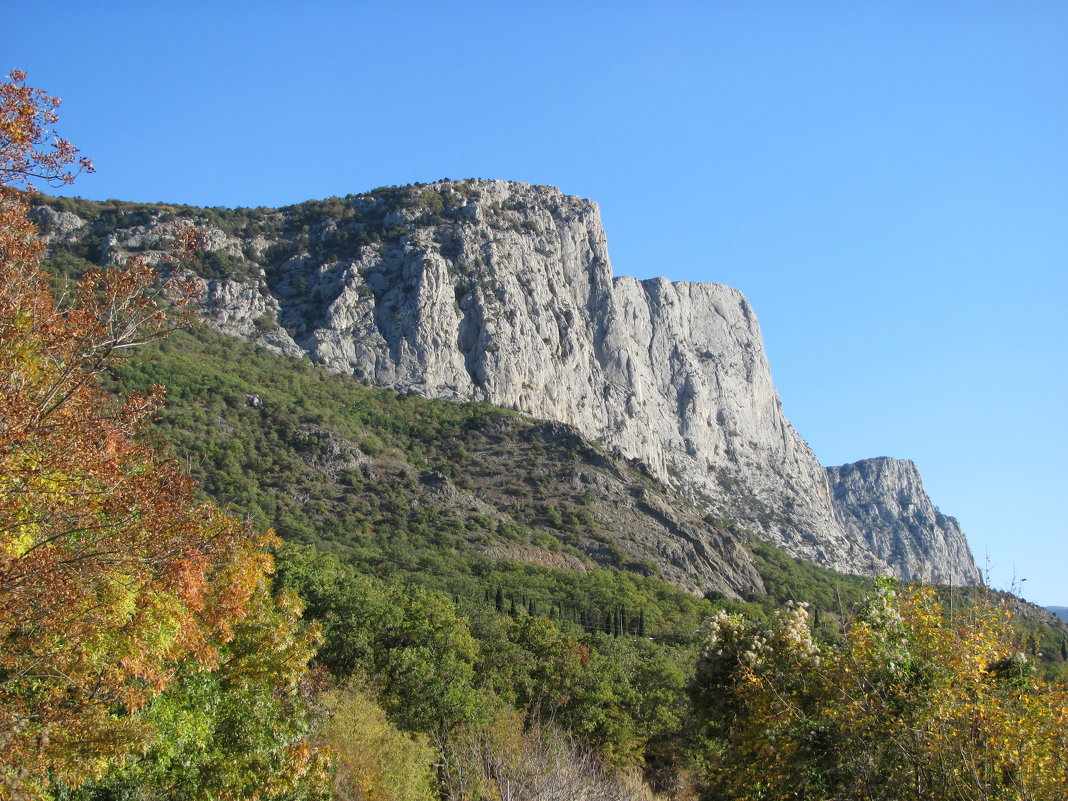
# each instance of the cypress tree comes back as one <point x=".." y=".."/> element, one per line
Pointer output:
<point x="641" y="622"/>
<point x="500" y="600"/>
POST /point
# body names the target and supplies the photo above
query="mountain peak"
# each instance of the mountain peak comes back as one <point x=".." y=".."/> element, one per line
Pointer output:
<point x="503" y="292"/>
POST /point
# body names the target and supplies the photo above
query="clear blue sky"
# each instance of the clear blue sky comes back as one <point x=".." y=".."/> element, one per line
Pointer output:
<point x="886" y="182"/>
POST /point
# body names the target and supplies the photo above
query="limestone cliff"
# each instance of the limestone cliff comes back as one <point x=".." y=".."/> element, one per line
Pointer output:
<point x="503" y="292"/>
<point x="882" y="503"/>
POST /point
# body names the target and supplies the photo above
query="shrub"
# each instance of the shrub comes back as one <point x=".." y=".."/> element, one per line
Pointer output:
<point x="374" y="760"/>
<point x="916" y="703"/>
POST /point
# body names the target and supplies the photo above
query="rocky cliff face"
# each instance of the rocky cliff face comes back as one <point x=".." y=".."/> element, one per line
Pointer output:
<point x="882" y="503"/>
<point x="503" y="292"/>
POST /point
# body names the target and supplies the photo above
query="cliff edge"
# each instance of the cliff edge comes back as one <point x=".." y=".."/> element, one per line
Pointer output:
<point x="503" y="292"/>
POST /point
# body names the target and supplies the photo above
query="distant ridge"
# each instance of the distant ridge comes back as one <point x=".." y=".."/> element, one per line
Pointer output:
<point x="1059" y="611"/>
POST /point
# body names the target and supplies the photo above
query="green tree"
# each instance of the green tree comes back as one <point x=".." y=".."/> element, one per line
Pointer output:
<point x="112" y="574"/>
<point x="409" y="642"/>
<point x="423" y="662"/>
<point x="549" y="666"/>
<point x="916" y="703"/>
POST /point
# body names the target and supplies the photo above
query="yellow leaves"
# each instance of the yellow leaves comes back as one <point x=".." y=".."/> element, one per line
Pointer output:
<point x="916" y="703"/>
<point x="110" y="571"/>
<point x="17" y="541"/>
<point x="373" y="759"/>
<point x="116" y="599"/>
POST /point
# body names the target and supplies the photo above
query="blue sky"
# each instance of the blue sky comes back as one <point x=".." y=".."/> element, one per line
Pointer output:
<point x="886" y="182"/>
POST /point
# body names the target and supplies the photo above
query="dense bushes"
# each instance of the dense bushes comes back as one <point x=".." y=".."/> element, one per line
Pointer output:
<point x="918" y="702"/>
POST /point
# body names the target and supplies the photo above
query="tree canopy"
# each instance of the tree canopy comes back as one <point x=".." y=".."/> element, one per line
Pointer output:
<point x="114" y="579"/>
<point x="917" y="702"/>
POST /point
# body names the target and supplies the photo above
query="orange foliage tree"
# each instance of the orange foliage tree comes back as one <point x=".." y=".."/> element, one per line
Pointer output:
<point x="110" y="572"/>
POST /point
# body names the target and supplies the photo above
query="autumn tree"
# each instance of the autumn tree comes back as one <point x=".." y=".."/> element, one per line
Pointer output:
<point x="30" y="149"/>
<point x="239" y="731"/>
<point x="111" y="574"/>
<point x="917" y="702"/>
<point x="375" y="761"/>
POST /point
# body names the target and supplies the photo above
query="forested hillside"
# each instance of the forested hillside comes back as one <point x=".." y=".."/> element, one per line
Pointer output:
<point x="502" y="292"/>
<point x="270" y="435"/>
<point x="463" y="603"/>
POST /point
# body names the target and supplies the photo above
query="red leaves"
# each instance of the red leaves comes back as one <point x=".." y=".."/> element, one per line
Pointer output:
<point x="110" y="570"/>
<point x="29" y="148"/>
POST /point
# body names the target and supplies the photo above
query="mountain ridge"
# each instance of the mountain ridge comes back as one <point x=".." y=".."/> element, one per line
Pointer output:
<point x="1060" y="611"/>
<point x="503" y="292"/>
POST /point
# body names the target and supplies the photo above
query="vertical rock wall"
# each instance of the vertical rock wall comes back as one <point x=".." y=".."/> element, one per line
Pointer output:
<point x="503" y="292"/>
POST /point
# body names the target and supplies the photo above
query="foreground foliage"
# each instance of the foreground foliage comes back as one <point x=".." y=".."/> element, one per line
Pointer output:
<point x="120" y="592"/>
<point x="916" y="703"/>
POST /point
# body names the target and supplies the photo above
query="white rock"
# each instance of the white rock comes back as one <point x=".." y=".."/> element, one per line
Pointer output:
<point x="512" y="301"/>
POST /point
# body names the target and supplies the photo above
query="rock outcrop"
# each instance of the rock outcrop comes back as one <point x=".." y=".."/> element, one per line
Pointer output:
<point x="882" y="503"/>
<point x="503" y="292"/>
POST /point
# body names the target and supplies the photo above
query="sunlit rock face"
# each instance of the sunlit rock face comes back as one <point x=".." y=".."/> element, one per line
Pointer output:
<point x="883" y="504"/>
<point x="503" y="292"/>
